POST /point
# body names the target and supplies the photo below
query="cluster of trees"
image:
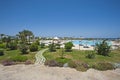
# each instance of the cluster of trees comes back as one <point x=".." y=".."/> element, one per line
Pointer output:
<point x="102" y="48"/>
<point x="68" y="47"/>
<point x="24" y="41"/>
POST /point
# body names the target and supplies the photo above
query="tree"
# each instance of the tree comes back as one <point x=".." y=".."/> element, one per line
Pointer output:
<point x="6" y="40"/>
<point x="42" y="45"/>
<point x="1" y="36"/>
<point x="68" y="46"/>
<point x="62" y="53"/>
<point x="25" y="36"/>
<point x="33" y="47"/>
<point x="23" y="48"/>
<point x="1" y="52"/>
<point x="12" y="45"/>
<point x="103" y="48"/>
<point x="52" y="47"/>
<point x="37" y="42"/>
<point x="57" y="46"/>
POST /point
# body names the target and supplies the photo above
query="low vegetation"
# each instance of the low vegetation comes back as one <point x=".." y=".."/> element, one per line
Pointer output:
<point x="1" y="52"/>
<point x="68" y="46"/>
<point x="52" y="47"/>
<point x="23" y="48"/>
<point x="83" y="60"/>
<point x="103" y="66"/>
<point x="15" y="56"/>
<point x="103" y="48"/>
<point x="33" y="47"/>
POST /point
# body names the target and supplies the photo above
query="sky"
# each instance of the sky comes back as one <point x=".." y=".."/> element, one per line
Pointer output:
<point x="72" y="18"/>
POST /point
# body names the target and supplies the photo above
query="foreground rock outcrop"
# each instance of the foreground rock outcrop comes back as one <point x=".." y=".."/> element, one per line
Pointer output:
<point x="41" y="72"/>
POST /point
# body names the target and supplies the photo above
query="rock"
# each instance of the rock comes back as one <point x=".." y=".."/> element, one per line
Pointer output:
<point x="65" y="65"/>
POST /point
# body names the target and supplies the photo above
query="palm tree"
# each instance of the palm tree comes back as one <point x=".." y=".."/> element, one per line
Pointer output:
<point x="1" y="36"/>
<point x="29" y="35"/>
<point x="22" y="37"/>
<point x="25" y="35"/>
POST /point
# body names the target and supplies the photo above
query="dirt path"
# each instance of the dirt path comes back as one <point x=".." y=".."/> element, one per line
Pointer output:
<point x="41" y="72"/>
<point x="40" y="59"/>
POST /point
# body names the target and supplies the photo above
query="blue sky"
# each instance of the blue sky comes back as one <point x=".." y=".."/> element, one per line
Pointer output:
<point x="87" y="18"/>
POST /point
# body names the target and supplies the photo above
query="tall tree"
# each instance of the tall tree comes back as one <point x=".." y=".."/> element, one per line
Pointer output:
<point x="25" y="36"/>
<point x="1" y="36"/>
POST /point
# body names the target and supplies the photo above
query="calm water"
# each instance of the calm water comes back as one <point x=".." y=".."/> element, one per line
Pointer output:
<point x="88" y="42"/>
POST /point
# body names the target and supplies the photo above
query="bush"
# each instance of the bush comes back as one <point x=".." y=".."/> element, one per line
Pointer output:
<point x="23" y="48"/>
<point x="7" y="49"/>
<point x="72" y="64"/>
<point x="68" y="46"/>
<point x="103" y="48"/>
<point x="1" y="52"/>
<point x="51" y="63"/>
<point x="90" y="56"/>
<point x="19" y="58"/>
<point x="2" y="45"/>
<point x="62" y="61"/>
<point x="42" y="45"/>
<point x="7" y="62"/>
<point x="12" y="46"/>
<point x="103" y="66"/>
<point x="80" y="66"/>
<point x="52" y="47"/>
<point x="37" y="42"/>
<point x="33" y="47"/>
<point x="57" y="46"/>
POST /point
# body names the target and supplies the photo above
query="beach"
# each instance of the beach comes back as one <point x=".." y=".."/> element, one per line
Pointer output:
<point x="41" y="72"/>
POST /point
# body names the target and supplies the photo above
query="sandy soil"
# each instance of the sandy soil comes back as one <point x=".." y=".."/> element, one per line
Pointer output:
<point x="82" y="48"/>
<point x="41" y="72"/>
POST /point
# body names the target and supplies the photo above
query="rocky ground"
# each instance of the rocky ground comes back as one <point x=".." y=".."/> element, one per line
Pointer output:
<point x="41" y="72"/>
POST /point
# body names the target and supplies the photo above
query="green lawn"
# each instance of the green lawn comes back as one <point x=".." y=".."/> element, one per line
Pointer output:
<point x="80" y="56"/>
<point x="17" y="56"/>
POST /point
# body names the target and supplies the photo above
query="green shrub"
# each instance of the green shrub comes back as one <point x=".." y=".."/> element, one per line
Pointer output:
<point x="19" y="58"/>
<point x="103" y="66"/>
<point x="33" y="47"/>
<point x="42" y="45"/>
<point x="90" y="56"/>
<point x="37" y="42"/>
<point x="103" y="48"/>
<point x="1" y="52"/>
<point x="68" y="46"/>
<point x="62" y="61"/>
<point x="23" y="48"/>
<point x="2" y="45"/>
<point x="72" y="64"/>
<point x="7" y="49"/>
<point x="80" y="66"/>
<point x="12" y="46"/>
<point x="57" y="46"/>
<point x="62" y="53"/>
<point x="52" y="47"/>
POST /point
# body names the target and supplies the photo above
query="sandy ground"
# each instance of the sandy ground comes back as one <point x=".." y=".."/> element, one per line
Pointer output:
<point x="82" y="48"/>
<point x="41" y="72"/>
